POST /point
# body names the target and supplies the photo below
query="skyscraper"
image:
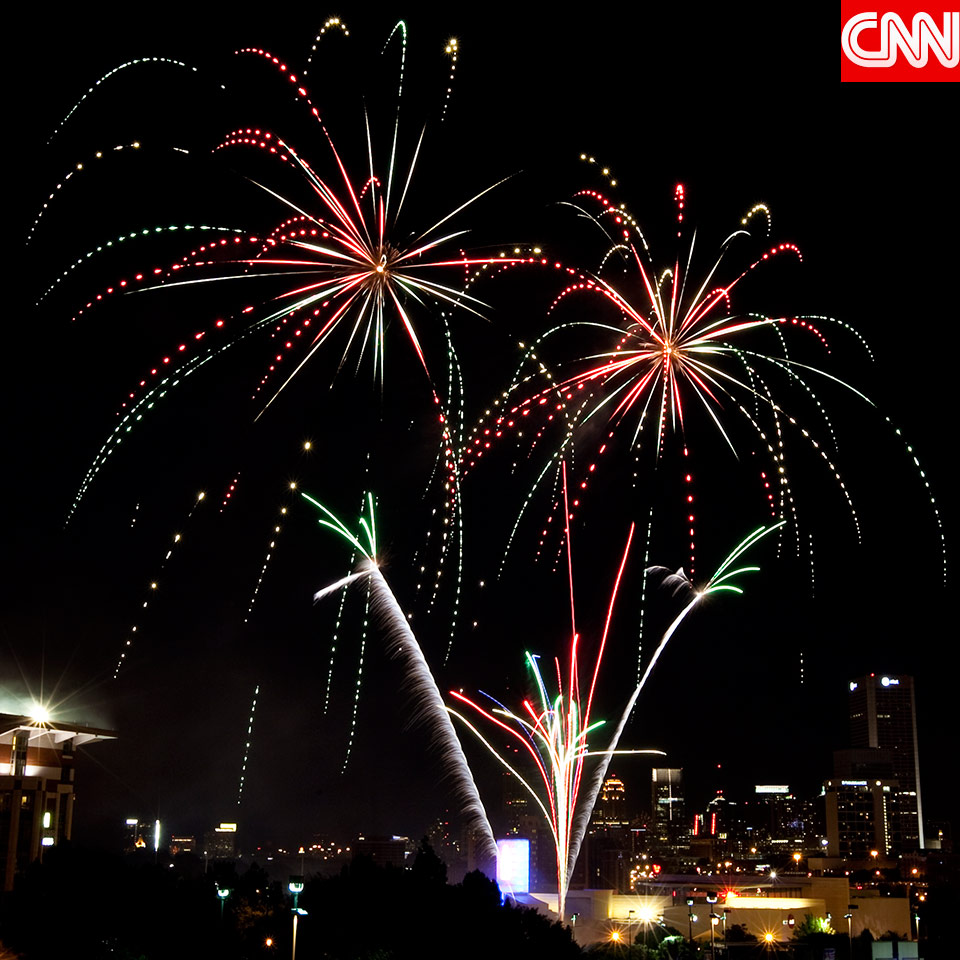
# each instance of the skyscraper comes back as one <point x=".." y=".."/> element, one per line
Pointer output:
<point x="669" y="822"/>
<point x="611" y="806"/>
<point x="883" y="716"/>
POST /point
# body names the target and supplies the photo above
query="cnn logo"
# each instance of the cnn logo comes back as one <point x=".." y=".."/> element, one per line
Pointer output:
<point x="898" y="47"/>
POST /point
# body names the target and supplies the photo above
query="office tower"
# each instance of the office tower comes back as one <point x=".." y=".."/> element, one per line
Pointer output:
<point x="883" y="716"/>
<point x="859" y="814"/>
<point x="385" y="851"/>
<point x="667" y="802"/>
<point x="517" y="802"/>
<point x="611" y="806"/>
<point x="220" y="843"/>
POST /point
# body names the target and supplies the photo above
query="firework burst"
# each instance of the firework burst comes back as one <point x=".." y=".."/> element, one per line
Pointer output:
<point x="675" y="347"/>
<point x="556" y="735"/>
<point x="347" y="252"/>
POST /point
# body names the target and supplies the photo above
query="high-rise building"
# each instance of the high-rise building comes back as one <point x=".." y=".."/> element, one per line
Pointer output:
<point x="516" y="802"/>
<point x="883" y="716"/>
<point x="386" y="851"/>
<point x="666" y="789"/>
<point x="611" y="807"/>
<point x="220" y="843"/>
<point x="36" y="787"/>
<point x="858" y="818"/>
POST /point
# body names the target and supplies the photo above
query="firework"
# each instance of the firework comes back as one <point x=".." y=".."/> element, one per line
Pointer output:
<point x="347" y="244"/>
<point x="556" y="736"/>
<point x="679" y="345"/>
<point x="276" y="530"/>
<point x="402" y="645"/>
<point x="154" y="585"/>
<point x="246" y="745"/>
<point x="720" y="582"/>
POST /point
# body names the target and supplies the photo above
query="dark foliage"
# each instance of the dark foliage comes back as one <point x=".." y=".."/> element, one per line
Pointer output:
<point x="369" y="912"/>
<point x="90" y="905"/>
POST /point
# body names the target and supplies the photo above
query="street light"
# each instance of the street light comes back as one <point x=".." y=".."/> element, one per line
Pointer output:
<point x="223" y="893"/>
<point x="295" y="886"/>
<point x="712" y="899"/>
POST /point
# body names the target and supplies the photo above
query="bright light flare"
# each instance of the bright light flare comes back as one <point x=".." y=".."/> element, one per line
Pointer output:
<point x="38" y="713"/>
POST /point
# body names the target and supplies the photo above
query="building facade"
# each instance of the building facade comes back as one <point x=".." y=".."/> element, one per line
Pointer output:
<point x="36" y="787"/>
<point x="858" y="815"/>
<point x="883" y="716"/>
<point x="669" y="817"/>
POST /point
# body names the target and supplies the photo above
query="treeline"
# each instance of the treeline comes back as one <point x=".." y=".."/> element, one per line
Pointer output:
<point x="91" y="905"/>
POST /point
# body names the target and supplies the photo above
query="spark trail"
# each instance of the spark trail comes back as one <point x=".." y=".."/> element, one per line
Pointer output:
<point x="402" y="645"/>
<point x="556" y="736"/>
<point x="720" y="582"/>
<point x="246" y="747"/>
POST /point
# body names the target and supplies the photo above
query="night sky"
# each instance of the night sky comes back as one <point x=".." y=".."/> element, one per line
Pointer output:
<point x="739" y="114"/>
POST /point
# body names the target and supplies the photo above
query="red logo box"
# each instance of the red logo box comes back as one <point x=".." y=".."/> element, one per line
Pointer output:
<point x="898" y="43"/>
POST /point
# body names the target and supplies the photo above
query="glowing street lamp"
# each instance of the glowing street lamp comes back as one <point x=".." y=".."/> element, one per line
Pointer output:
<point x="222" y="894"/>
<point x="295" y="886"/>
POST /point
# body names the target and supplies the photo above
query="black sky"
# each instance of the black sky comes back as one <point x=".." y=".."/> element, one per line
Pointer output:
<point x="737" y="112"/>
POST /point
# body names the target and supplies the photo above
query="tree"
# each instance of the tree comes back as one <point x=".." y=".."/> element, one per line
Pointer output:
<point x="428" y="869"/>
<point x="811" y="926"/>
<point x="738" y="933"/>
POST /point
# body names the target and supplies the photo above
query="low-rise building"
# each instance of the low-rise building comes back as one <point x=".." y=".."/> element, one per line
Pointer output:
<point x="36" y="786"/>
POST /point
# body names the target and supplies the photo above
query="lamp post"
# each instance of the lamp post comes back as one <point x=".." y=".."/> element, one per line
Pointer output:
<point x="295" y="886"/>
<point x="222" y="894"/>
<point x="690" y="917"/>
<point x="712" y="899"/>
